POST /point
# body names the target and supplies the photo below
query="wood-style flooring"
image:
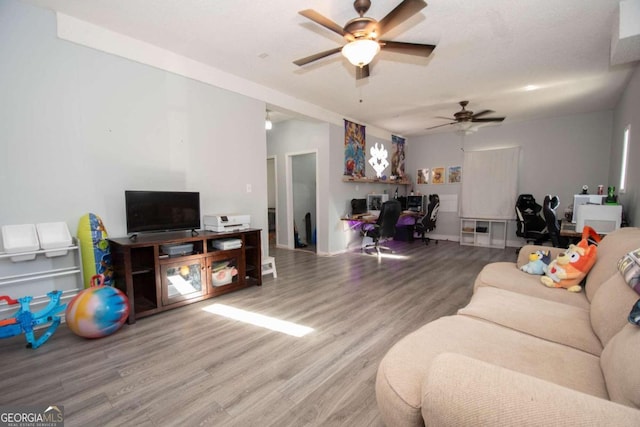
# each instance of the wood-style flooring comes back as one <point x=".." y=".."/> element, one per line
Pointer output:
<point x="188" y="367"/>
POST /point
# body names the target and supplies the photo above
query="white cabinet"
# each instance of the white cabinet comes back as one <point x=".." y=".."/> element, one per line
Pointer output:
<point x="491" y="233"/>
<point x="48" y="271"/>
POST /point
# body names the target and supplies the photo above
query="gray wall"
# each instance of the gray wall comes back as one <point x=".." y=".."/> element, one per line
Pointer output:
<point x="558" y="156"/>
<point x="80" y="126"/>
<point x="627" y="112"/>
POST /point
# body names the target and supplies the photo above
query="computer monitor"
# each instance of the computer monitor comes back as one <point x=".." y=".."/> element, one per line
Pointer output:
<point x="585" y="199"/>
<point x="358" y="206"/>
<point x="375" y="201"/>
<point x="415" y="203"/>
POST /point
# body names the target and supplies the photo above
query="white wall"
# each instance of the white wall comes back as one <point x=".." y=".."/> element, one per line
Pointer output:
<point x="80" y="126"/>
<point x="627" y="112"/>
<point x="558" y="156"/>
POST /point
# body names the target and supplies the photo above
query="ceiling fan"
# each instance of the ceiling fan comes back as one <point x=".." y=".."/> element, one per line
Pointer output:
<point x="363" y="35"/>
<point x="464" y="118"/>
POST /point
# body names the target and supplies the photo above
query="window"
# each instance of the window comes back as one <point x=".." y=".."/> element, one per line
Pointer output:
<point x="625" y="152"/>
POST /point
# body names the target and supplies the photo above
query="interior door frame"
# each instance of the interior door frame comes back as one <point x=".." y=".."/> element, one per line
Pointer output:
<point x="289" y="189"/>
<point x="275" y="185"/>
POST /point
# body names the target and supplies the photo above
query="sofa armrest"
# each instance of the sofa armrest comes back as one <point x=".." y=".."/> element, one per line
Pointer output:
<point x="460" y="390"/>
<point x="523" y="255"/>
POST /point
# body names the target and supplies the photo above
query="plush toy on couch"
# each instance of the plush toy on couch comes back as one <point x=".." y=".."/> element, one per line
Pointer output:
<point x="570" y="267"/>
<point x="538" y="262"/>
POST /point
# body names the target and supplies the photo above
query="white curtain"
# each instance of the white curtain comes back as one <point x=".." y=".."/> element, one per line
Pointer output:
<point x="489" y="184"/>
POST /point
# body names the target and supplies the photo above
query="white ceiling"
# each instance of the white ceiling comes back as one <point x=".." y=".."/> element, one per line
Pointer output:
<point x="487" y="52"/>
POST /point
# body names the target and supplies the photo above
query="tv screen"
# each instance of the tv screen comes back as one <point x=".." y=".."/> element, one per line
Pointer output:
<point x="149" y="211"/>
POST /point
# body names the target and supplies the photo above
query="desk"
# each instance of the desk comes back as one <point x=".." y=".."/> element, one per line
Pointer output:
<point x="568" y="229"/>
<point x="407" y="220"/>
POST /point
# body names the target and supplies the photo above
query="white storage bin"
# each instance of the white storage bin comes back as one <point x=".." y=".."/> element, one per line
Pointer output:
<point x="54" y="235"/>
<point x="20" y="238"/>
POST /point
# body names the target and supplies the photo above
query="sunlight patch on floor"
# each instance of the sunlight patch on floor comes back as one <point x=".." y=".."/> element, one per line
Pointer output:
<point x="260" y="320"/>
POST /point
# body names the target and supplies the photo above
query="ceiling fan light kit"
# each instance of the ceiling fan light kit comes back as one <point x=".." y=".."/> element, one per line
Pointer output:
<point x="360" y="52"/>
<point x="362" y="35"/>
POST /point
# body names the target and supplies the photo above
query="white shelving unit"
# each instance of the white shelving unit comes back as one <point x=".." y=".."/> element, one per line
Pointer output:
<point x="490" y="233"/>
<point x="36" y="277"/>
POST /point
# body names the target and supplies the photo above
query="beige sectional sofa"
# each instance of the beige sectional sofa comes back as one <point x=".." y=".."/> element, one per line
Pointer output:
<point x="523" y="354"/>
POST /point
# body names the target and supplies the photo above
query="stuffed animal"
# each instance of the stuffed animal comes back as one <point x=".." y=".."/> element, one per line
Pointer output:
<point x="538" y="262"/>
<point x="570" y="267"/>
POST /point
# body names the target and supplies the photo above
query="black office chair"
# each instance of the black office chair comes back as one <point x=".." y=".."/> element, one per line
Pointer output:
<point x="385" y="226"/>
<point x="530" y="224"/>
<point x="428" y="221"/>
<point x="549" y="207"/>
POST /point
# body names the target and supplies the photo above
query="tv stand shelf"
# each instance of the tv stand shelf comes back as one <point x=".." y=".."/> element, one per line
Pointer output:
<point x="155" y="282"/>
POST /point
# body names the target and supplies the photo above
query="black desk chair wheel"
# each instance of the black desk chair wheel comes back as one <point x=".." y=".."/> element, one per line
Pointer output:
<point x="428" y="222"/>
<point x="385" y="227"/>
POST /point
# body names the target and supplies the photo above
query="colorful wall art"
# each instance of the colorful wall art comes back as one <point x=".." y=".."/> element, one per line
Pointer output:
<point x="397" y="158"/>
<point x="437" y="175"/>
<point x="454" y="174"/>
<point x="354" y="149"/>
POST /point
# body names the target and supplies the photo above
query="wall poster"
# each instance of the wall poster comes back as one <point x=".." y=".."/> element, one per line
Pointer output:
<point x="397" y="159"/>
<point x="454" y="174"/>
<point x="437" y="175"/>
<point x="423" y="176"/>
<point x="354" y="149"/>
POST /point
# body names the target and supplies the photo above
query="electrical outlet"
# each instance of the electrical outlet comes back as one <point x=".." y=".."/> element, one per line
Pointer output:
<point x="248" y="188"/>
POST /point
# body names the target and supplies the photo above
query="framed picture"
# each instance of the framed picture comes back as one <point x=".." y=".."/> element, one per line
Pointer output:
<point x="423" y="176"/>
<point x="454" y="174"/>
<point x="437" y="175"/>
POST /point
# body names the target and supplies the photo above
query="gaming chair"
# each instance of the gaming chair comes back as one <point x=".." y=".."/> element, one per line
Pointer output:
<point x="530" y="224"/>
<point x="549" y="207"/>
<point x="428" y="221"/>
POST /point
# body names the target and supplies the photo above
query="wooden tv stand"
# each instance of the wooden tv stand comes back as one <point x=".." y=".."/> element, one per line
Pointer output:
<point x="155" y="281"/>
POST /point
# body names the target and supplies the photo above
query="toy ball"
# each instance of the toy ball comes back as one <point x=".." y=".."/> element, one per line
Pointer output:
<point x="97" y="311"/>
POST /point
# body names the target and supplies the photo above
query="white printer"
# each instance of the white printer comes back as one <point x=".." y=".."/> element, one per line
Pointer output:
<point x="229" y="222"/>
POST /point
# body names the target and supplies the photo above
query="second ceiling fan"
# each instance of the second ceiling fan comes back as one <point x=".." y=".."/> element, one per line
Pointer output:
<point x="363" y="35"/>
<point x="467" y="117"/>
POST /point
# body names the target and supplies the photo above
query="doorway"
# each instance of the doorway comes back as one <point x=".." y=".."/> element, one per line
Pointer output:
<point x="302" y="194"/>
<point x="272" y="200"/>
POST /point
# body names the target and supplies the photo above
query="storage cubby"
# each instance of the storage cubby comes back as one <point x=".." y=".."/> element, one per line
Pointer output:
<point x="36" y="272"/>
<point x="156" y="278"/>
<point x="490" y="233"/>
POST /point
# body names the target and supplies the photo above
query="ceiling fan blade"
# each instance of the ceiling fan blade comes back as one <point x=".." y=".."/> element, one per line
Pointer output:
<point x="308" y="59"/>
<point x="489" y="119"/>
<point x="415" y="49"/>
<point x="401" y="13"/>
<point x="446" y="118"/>
<point x="439" y="126"/>
<point x="321" y="20"/>
<point x="362" y="72"/>
<point x="482" y="113"/>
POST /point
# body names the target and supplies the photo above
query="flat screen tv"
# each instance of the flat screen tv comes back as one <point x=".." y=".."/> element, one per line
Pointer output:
<point x="149" y="211"/>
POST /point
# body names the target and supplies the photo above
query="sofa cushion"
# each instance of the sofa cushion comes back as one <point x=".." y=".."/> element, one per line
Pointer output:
<point x="621" y="368"/>
<point x="612" y="247"/>
<point x="505" y="275"/>
<point x="610" y="307"/>
<point x="549" y="320"/>
<point x="402" y="370"/>
<point x="462" y="391"/>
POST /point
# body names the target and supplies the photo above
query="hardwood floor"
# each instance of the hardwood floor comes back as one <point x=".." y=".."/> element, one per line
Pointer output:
<point x="190" y="367"/>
